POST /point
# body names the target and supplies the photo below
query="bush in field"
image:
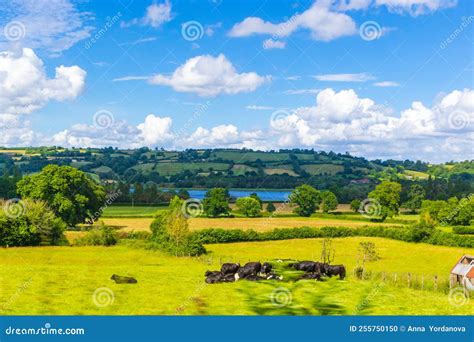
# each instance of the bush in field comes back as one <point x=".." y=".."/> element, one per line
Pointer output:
<point x="463" y="230"/>
<point x="216" y="202"/>
<point x="271" y="207"/>
<point x="98" y="236"/>
<point x="387" y="194"/>
<point x="452" y="211"/>
<point x="306" y="198"/>
<point x="329" y="201"/>
<point x="36" y="225"/>
<point x="170" y="231"/>
<point x="355" y="205"/>
<point x="255" y="196"/>
<point x="249" y="206"/>
<point x="69" y="192"/>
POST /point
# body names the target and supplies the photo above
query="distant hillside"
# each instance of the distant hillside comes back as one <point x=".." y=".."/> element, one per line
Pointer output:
<point x="233" y="168"/>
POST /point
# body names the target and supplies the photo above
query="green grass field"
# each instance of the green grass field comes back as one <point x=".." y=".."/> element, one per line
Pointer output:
<point x="317" y="169"/>
<point x="129" y="211"/>
<point x="62" y="280"/>
<point x="168" y="169"/>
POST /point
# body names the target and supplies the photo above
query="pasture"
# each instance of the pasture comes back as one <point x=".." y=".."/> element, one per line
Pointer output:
<point x="62" y="280"/>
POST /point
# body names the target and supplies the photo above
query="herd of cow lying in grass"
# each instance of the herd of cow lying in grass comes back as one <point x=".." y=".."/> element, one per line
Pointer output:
<point x="255" y="271"/>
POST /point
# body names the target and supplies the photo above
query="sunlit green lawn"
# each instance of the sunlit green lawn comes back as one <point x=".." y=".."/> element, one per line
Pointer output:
<point x="62" y="280"/>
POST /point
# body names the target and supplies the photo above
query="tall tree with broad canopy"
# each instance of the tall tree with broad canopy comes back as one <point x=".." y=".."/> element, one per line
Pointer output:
<point x="216" y="202"/>
<point x="387" y="194"/>
<point x="416" y="195"/>
<point x="306" y="198"/>
<point x="69" y="192"/>
<point x="329" y="201"/>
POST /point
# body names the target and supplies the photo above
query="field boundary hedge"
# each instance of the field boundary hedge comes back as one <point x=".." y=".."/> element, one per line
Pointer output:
<point x="407" y="234"/>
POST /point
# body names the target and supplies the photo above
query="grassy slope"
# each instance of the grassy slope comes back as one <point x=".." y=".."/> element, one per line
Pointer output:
<point x="62" y="280"/>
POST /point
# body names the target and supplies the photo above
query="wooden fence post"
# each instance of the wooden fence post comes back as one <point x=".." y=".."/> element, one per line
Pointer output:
<point x="435" y="285"/>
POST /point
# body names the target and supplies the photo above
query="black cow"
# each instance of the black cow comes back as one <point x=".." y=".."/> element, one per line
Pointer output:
<point x="267" y="268"/>
<point x="316" y="276"/>
<point x="253" y="277"/>
<point x="307" y="266"/>
<point x="123" y="280"/>
<point x="333" y="270"/>
<point x="249" y="269"/>
<point x="214" y="277"/>
<point x="229" y="268"/>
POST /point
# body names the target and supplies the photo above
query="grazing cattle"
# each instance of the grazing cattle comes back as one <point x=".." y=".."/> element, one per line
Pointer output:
<point x="228" y="278"/>
<point x="274" y="276"/>
<point x="253" y="277"/>
<point x="123" y="280"/>
<point x="249" y="269"/>
<point x="333" y="270"/>
<point x="214" y="277"/>
<point x="229" y="268"/>
<point x="307" y="266"/>
<point x="266" y="267"/>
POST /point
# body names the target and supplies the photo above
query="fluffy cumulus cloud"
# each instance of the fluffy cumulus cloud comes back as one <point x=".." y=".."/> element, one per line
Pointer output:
<point x="156" y="15"/>
<point x="322" y="23"/>
<point x="25" y="87"/>
<point x="343" y="121"/>
<point x="209" y="76"/>
<point x="156" y="130"/>
<point x="51" y="25"/>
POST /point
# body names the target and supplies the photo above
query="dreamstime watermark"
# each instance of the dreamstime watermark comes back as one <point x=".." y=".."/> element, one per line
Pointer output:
<point x="279" y="120"/>
<point x="281" y="297"/>
<point x="47" y="329"/>
<point x="14" y="31"/>
<point x="464" y="202"/>
<point x="465" y="22"/>
<point x="180" y="309"/>
<point x="192" y="30"/>
<point x="110" y="199"/>
<point x="365" y="303"/>
<point x="458" y="296"/>
<point x="103" y="296"/>
<point x="370" y="208"/>
<point x="103" y="119"/>
<point x="110" y="21"/>
<point x="192" y="207"/>
<point x="370" y="30"/>
<point x="17" y="294"/>
<point x="458" y="120"/>
<point x="14" y="208"/>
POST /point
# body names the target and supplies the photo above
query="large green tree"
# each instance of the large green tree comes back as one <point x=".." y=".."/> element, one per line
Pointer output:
<point x="416" y="195"/>
<point x="306" y="198"/>
<point x="387" y="196"/>
<point x="329" y="201"/>
<point x="249" y="206"/>
<point x="69" y="192"/>
<point x="216" y="202"/>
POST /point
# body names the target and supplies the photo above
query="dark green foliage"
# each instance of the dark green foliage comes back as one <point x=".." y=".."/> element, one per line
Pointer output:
<point x="18" y="232"/>
<point x="216" y="202"/>
<point x="416" y="195"/>
<point x="463" y="230"/>
<point x="70" y="193"/>
<point x="407" y="234"/>
<point x="249" y="206"/>
<point x="355" y="205"/>
<point x="328" y="201"/>
<point x="387" y="195"/>
<point x="271" y="208"/>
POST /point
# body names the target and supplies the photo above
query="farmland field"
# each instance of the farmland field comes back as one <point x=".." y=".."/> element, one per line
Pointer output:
<point x="62" y="280"/>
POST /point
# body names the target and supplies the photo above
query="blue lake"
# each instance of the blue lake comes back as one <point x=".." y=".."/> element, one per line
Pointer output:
<point x="265" y="195"/>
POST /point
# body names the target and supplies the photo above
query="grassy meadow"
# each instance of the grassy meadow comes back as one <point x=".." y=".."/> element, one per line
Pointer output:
<point x="62" y="280"/>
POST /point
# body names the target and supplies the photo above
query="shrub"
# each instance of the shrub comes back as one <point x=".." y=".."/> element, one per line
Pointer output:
<point x="249" y="206"/>
<point x="36" y="224"/>
<point x="463" y="230"/>
<point x="98" y="236"/>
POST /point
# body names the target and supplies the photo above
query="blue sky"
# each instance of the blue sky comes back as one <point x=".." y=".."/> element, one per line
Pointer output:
<point x="377" y="78"/>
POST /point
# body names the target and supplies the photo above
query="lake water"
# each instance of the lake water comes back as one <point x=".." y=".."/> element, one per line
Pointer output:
<point x="265" y="195"/>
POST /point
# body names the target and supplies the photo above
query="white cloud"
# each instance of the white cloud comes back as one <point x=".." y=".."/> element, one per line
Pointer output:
<point x="273" y="44"/>
<point x="302" y="91"/>
<point x="156" y="15"/>
<point x="24" y="86"/>
<point x="416" y="7"/>
<point x="386" y="84"/>
<point x="361" y="77"/>
<point x="156" y="129"/>
<point x="209" y="76"/>
<point x="323" y="24"/>
<point x="348" y="5"/>
<point x="52" y="25"/>
<point x="342" y="121"/>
